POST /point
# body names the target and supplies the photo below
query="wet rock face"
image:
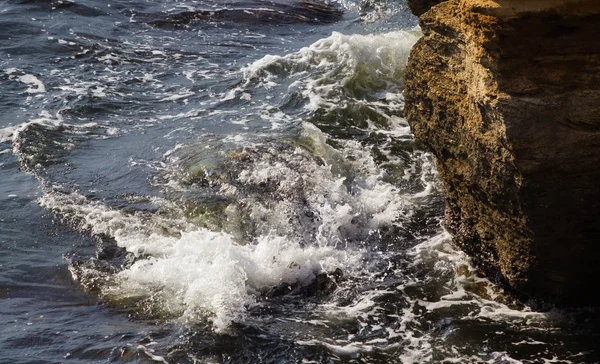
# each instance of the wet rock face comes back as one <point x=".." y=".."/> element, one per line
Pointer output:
<point x="506" y="93"/>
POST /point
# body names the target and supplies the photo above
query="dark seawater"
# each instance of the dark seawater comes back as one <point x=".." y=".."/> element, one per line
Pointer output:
<point x="205" y="181"/>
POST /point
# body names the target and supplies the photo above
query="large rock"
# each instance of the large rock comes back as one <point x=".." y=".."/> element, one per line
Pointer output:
<point x="506" y="93"/>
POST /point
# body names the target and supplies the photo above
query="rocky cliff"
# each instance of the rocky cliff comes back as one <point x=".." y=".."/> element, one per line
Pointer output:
<point x="506" y="93"/>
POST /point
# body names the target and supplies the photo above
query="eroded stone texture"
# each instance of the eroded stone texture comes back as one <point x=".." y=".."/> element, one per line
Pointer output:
<point x="507" y="95"/>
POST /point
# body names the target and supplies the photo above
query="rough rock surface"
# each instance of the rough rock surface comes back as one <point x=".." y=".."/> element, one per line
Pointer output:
<point x="506" y="93"/>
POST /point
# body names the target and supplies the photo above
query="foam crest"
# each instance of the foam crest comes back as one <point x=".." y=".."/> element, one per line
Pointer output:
<point x="35" y="85"/>
<point x="195" y="274"/>
<point x="48" y="139"/>
<point x="332" y="68"/>
<point x="301" y="188"/>
<point x="139" y="233"/>
<point x="11" y="133"/>
<point x="349" y="56"/>
<point x="208" y="275"/>
<point x="286" y="212"/>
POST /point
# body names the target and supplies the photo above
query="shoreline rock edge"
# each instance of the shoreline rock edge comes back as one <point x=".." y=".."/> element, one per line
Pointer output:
<point x="506" y="94"/>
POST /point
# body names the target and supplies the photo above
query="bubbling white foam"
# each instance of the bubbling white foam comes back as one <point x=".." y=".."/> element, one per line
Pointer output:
<point x="326" y="71"/>
<point x="405" y="335"/>
<point x="374" y="55"/>
<point x="196" y="273"/>
<point x="34" y="83"/>
<point x="207" y="271"/>
<point x="321" y="205"/>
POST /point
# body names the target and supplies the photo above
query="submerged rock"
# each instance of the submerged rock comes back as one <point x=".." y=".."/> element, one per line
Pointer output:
<point x="506" y="93"/>
<point x="322" y="285"/>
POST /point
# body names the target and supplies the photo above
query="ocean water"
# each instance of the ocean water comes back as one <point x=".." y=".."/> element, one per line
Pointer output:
<point x="202" y="181"/>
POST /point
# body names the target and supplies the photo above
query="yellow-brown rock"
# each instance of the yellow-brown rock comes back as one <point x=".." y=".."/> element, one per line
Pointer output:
<point x="506" y="93"/>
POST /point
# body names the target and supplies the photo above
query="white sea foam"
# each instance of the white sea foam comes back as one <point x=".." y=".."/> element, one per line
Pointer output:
<point x="44" y="118"/>
<point x="36" y="85"/>
<point x="220" y="273"/>
<point x="351" y="350"/>
<point x="322" y="71"/>
<point x="482" y="301"/>
<point x="194" y="273"/>
<point x="197" y="273"/>
<point x="52" y="122"/>
<point x="6" y="133"/>
<point x="205" y="271"/>
<point x="177" y="97"/>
